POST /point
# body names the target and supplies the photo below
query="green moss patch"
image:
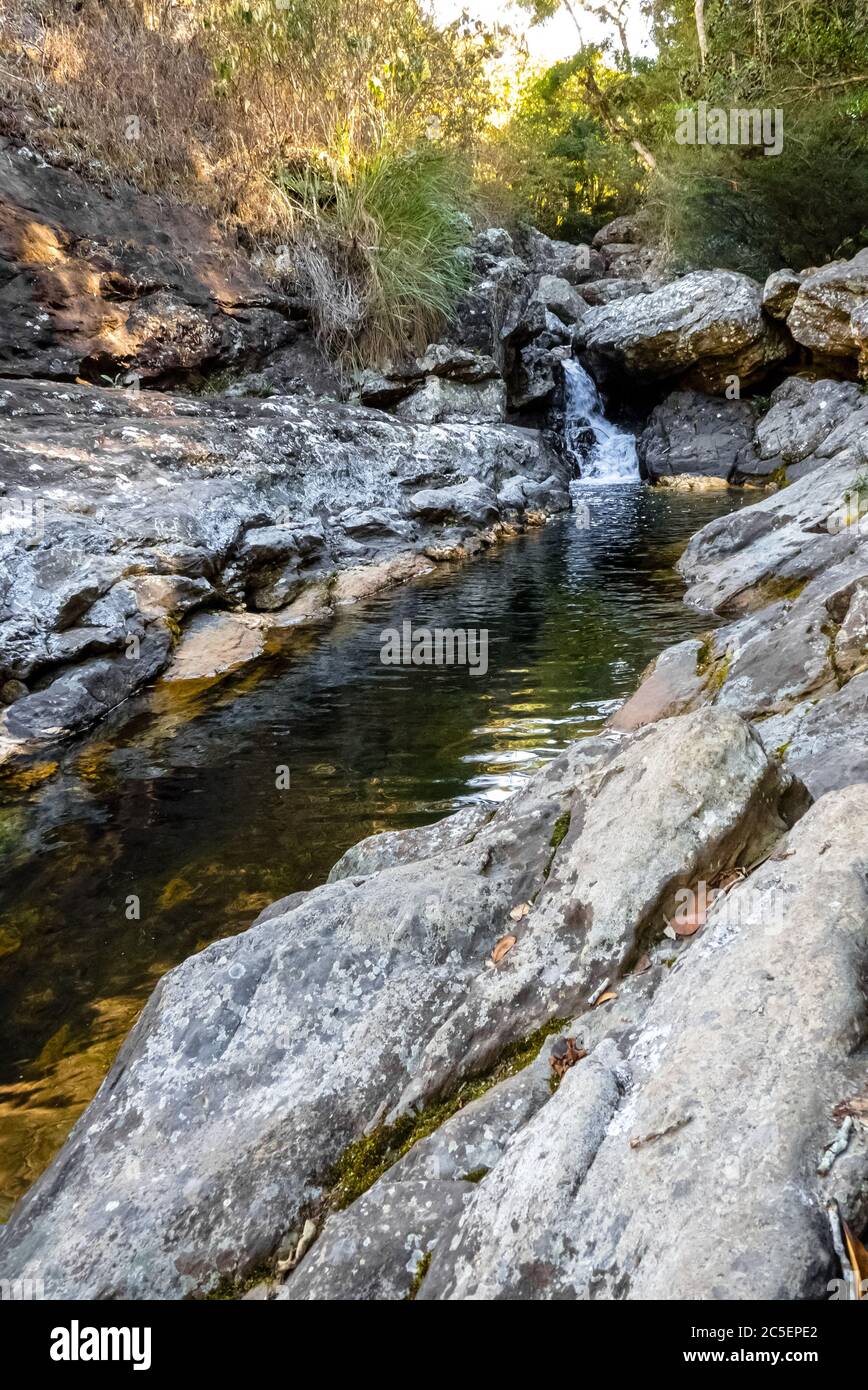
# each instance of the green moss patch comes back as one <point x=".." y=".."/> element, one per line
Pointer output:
<point x="368" y="1158"/>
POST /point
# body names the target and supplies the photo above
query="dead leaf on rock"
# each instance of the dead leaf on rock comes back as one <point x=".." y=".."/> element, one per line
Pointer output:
<point x="642" y="964"/>
<point x="521" y="910"/>
<point x="856" y="1106"/>
<point x="605" y="998"/>
<point x="565" y="1053"/>
<point x="689" y="923"/>
<point x="502" y="948"/>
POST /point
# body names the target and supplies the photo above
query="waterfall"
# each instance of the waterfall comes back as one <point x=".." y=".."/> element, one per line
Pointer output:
<point x="610" y="455"/>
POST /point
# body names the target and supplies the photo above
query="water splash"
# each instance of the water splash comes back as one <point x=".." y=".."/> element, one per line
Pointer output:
<point x="609" y="454"/>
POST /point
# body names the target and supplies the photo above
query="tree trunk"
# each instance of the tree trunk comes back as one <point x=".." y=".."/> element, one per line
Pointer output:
<point x="699" y="12"/>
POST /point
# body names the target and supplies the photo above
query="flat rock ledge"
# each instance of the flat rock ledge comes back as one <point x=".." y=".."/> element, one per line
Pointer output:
<point x="127" y="514"/>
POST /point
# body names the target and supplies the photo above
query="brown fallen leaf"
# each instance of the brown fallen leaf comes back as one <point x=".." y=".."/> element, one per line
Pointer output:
<point x="857" y="1106"/>
<point x="565" y="1053"/>
<point x="642" y="964"/>
<point x="521" y="910"/>
<point x="502" y="948"/>
<point x="688" y="923"/>
<point x="605" y="998"/>
<point x="858" y="1257"/>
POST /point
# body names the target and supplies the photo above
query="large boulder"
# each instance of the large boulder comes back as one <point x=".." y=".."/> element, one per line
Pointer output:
<point x="802" y="415"/>
<point x="707" y="327"/>
<point x="263" y="1060"/>
<point x="696" y="434"/>
<point x="93" y="285"/>
<point x="827" y="314"/>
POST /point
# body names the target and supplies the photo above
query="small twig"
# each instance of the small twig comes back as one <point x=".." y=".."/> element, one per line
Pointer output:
<point x="660" y="1133"/>
<point x="597" y="992"/>
<point x="837" y="1146"/>
<point x="838" y="1242"/>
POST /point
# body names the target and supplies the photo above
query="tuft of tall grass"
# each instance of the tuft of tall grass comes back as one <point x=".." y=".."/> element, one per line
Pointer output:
<point x="376" y="244"/>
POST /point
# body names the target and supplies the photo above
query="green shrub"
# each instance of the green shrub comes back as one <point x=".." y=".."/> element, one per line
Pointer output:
<point x="376" y="244"/>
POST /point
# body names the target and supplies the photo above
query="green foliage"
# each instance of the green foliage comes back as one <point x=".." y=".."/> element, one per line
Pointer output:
<point x="574" y="151"/>
<point x="377" y="244"/>
<point x="568" y="176"/>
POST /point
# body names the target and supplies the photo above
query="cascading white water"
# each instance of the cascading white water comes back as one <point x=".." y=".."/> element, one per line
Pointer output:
<point x="611" y="456"/>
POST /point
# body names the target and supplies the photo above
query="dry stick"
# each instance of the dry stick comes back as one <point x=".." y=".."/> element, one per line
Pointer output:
<point x="837" y="1146"/>
<point x="834" y="1216"/>
<point x="639" y="1140"/>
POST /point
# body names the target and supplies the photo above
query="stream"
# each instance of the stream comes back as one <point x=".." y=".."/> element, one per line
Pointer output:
<point x="175" y="800"/>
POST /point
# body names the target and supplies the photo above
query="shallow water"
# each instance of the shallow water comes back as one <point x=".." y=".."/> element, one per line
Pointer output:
<point x="176" y="801"/>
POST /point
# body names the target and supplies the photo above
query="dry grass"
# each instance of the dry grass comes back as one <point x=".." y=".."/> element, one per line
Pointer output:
<point x="292" y="121"/>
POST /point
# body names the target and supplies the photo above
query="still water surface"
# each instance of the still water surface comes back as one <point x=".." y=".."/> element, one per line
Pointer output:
<point x="175" y="799"/>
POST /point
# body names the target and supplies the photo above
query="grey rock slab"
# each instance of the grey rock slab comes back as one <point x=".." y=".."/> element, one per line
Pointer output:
<point x="503" y="1245"/>
<point x="825" y="742"/>
<point x="374" y="1250"/>
<point x="407" y="846"/>
<point x="366" y="998"/>
<point x="704" y="1184"/>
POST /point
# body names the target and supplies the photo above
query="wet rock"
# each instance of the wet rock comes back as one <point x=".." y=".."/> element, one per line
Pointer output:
<point x="215" y="643"/>
<point x="697" y="434"/>
<point x="673" y="686"/>
<point x="537" y="375"/>
<point x="706" y="327"/>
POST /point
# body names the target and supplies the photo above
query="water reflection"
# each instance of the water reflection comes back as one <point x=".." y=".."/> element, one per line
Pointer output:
<point x="176" y="800"/>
